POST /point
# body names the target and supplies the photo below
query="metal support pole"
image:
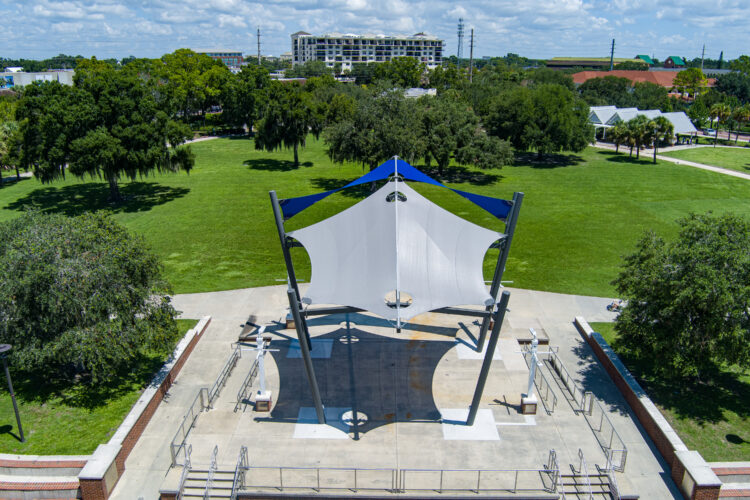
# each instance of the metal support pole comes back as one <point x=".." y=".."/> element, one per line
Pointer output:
<point x="499" y="316"/>
<point x="502" y="258"/>
<point x="13" y="398"/>
<point x="302" y="336"/>
<point x="287" y="255"/>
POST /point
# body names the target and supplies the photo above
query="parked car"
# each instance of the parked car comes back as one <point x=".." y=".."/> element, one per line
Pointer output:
<point x="709" y="131"/>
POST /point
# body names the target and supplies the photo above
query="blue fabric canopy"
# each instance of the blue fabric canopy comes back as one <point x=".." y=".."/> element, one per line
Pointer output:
<point x="496" y="206"/>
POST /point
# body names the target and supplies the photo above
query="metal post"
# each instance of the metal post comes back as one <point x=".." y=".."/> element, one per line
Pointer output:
<point x="284" y="246"/>
<point x="499" y="316"/>
<point x="502" y="258"/>
<point x="3" y="349"/>
<point x="302" y="336"/>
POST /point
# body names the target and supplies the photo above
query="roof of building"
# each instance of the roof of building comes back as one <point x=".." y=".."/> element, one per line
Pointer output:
<point x="680" y="121"/>
<point x="663" y="78"/>
<point x="677" y="60"/>
<point x="586" y="61"/>
<point x="335" y="34"/>
<point x="645" y="59"/>
<point x="301" y="33"/>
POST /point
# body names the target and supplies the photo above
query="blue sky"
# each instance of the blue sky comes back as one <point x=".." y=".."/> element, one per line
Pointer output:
<point x="533" y="28"/>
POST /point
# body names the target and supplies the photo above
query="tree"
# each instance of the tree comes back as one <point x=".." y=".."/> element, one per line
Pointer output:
<point x="618" y="134"/>
<point x="691" y="81"/>
<point x="193" y="81"/>
<point x="244" y="97"/>
<point x="448" y="126"/>
<point x="647" y="95"/>
<point x="540" y="76"/>
<point x="719" y="112"/>
<point x="631" y="66"/>
<point x="734" y="84"/>
<point x="81" y="298"/>
<point x="688" y="299"/>
<point x="661" y="130"/>
<point x="607" y="91"/>
<point x="290" y="115"/>
<point x="547" y="118"/>
<point x="383" y="125"/>
<point x="741" y="116"/>
<point x="639" y="133"/>
<point x="404" y="72"/>
<point x="309" y="69"/>
<point x="109" y="125"/>
<point x="741" y="64"/>
<point x="485" y="151"/>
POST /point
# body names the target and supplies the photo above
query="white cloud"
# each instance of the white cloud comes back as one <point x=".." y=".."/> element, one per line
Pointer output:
<point x="227" y="20"/>
<point x="65" y="27"/>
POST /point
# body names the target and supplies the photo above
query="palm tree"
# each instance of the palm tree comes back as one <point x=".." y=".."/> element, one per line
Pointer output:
<point x="741" y="115"/>
<point x="618" y="134"/>
<point x="639" y="134"/>
<point x="719" y="112"/>
<point x="662" y="130"/>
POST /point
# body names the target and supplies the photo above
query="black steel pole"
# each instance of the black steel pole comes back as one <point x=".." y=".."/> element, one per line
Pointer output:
<point x="499" y="316"/>
<point x="502" y="258"/>
<point x="302" y="337"/>
<point x="13" y="398"/>
<point x="284" y="246"/>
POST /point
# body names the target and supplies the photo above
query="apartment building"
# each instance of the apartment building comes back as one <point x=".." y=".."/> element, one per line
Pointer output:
<point x="347" y="49"/>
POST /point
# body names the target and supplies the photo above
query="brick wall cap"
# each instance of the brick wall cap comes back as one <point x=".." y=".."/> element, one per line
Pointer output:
<point x="698" y="468"/>
<point x="100" y="462"/>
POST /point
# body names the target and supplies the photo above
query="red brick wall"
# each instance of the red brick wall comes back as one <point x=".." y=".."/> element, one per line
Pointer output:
<point x="93" y="489"/>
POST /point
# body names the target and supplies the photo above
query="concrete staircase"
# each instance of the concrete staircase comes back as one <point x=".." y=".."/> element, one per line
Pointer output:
<point x="197" y="482"/>
<point x="576" y="486"/>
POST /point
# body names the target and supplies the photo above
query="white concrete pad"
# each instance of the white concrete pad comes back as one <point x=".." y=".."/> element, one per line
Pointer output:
<point x="527" y="420"/>
<point x="464" y="351"/>
<point x="321" y="349"/>
<point x="455" y="428"/>
<point x="307" y="426"/>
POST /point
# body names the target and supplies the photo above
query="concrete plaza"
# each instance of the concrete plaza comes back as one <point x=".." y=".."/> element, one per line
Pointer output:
<point x="408" y="392"/>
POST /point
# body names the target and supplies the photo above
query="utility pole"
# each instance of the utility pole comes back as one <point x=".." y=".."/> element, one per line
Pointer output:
<point x="460" y="49"/>
<point x="612" y="56"/>
<point x="471" y="55"/>
<point x="703" y="54"/>
<point x="258" y="45"/>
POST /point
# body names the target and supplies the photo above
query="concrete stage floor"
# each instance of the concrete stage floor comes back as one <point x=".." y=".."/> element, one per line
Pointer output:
<point x="409" y="392"/>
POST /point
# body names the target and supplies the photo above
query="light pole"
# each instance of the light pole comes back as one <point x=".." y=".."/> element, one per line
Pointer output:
<point x="4" y="348"/>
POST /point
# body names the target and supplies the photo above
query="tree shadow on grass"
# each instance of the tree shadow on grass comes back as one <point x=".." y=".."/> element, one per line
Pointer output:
<point x="702" y="401"/>
<point x="12" y="179"/>
<point x="623" y="157"/>
<point x="92" y="196"/>
<point x="459" y="175"/>
<point x="550" y="160"/>
<point x="356" y="192"/>
<point x="272" y="165"/>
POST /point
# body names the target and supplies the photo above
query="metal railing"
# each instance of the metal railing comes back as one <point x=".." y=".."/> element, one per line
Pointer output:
<point x="614" y="489"/>
<point x="238" y="482"/>
<point x="609" y="439"/>
<point x="315" y="478"/>
<point x="246" y="384"/>
<point x="200" y="403"/>
<point x="554" y="466"/>
<point x="211" y="473"/>
<point x="543" y="387"/>
<point x="584" y="473"/>
<point x="575" y="391"/>
<point x="221" y="380"/>
<point x="477" y="480"/>
<point x="185" y="471"/>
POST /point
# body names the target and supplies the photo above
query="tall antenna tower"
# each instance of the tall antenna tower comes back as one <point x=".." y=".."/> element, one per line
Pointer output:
<point x="258" y="45"/>
<point x="471" y="55"/>
<point x="460" y="50"/>
<point x="612" y="56"/>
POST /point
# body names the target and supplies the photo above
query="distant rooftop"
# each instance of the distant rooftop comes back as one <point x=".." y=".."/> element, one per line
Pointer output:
<point x="335" y="34"/>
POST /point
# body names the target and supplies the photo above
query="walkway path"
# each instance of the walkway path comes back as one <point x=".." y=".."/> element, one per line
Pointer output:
<point x="712" y="168"/>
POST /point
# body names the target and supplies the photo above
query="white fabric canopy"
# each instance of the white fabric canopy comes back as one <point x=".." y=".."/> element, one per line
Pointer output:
<point x="360" y="254"/>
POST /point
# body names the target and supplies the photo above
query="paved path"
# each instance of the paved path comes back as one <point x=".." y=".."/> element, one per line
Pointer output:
<point x="237" y="311"/>
<point x="712" y="168"/>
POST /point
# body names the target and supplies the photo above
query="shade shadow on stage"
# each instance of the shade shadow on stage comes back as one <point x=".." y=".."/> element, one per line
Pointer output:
<point x="381" y="379"/>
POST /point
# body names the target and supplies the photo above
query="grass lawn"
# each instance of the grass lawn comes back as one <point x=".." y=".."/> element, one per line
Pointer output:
<point x="732" y="158"/>
<point x="712" y="418"/>
<point x="214" y="228"/>
<point x="73" y="423"/>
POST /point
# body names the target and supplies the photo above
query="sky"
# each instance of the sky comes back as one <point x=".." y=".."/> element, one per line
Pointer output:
<point x="37" y="29"/>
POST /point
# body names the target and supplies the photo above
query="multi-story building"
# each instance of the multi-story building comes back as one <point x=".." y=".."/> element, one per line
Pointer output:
<point x="231" y="58"/>
<point x="348" y="49"/>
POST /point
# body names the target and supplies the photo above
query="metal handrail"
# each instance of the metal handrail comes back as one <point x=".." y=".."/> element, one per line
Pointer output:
<point x="211" y="472"/>
<point x="403" y="473"/>
<point x="354" y="470"/>
<point x="238" y="482"/>
<point x="612" y="446"/>
<point x="221" y="380"/>
<point x="185" y="471"/>
<point x="248" y="382"/>
<point x="583" y="471"/>
<point x="576" y="392"/>
<point x="188" y="422"/>
<point x="543" y="387"/>
<point x="554" y="465"/>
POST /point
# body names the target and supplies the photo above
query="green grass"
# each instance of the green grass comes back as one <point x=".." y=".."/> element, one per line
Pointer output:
<point x="214" y="228"/>
<point x="710" y="417"/>
<point x="76" y="421"/>
<point x="732" y="158"/>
